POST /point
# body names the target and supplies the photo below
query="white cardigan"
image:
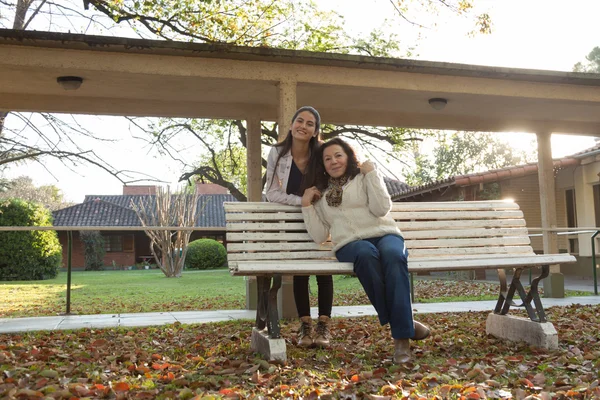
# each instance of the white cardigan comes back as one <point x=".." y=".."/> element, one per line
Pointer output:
<point x="277" y="188"/>
<point x="363" y="214"/>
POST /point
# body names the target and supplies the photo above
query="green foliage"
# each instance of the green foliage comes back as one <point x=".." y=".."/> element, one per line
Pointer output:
<point x="241" y="22"/>
<point x="205" y="254"/>
<point x="459" y="153"/>
<point x="27" y="255"/>
<point x="592" y="64"/>
<point x="23" y="188"/>
<point x="490" y="191"/>
<point x="94" y="251"/>
<point x="231" y="162"/>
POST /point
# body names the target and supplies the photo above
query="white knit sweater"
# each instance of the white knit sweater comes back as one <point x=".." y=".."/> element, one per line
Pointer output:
<point x="363" y="213"/>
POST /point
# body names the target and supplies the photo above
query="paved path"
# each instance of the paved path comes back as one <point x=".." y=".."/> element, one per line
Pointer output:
<point x="9" y="325"/>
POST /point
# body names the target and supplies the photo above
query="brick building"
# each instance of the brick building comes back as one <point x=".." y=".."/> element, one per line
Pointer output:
<point x="577" y="195"/>
<point x="125" y="247"/>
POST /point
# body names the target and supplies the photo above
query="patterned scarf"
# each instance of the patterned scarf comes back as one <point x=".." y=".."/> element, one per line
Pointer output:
<point x="334" y="195"/>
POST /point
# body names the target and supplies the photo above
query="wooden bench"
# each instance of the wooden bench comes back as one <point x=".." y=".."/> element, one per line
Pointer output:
<point x="269" y="240"/>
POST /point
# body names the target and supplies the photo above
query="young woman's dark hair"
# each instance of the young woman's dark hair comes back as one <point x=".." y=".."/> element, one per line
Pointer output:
<point x="352" y="168"/>
<point x="309" y="174"/>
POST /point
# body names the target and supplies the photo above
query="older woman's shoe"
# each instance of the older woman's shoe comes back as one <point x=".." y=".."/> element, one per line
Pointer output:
<point x="422" y="331"/>
<point x="322" y="332"/>
<point x="401" y="351"/>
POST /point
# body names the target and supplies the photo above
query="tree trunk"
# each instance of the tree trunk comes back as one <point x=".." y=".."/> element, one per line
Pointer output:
<point x="21" y="14"/>
<point x="169" y="248"/>
<point x="2" y="118"/>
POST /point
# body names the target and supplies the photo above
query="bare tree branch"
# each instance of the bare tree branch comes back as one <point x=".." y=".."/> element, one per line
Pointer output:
<point x="145" y="20"/>
<point x="213" y="176"/>
<point x="168" y="248"/>
<point x="34" y="14"/>
<point x="401" y="14"/>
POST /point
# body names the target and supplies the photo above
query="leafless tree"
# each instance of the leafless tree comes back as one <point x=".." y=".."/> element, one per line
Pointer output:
<point x="169" y="248"/>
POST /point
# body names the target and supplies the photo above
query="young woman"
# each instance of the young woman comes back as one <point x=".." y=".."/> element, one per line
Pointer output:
<point x="290" y="170"/>
<point x="351" y="203"/>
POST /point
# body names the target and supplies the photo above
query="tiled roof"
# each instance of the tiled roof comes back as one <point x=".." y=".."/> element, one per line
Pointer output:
<point x="114" y="209"/>
<point x="95" y="213"/>
<point x="394" y="186"/>
<point x="509" y="172"/>
<point x="483" y="177"/>
<point x="493" y="175"/>
<point x="584" y="153"/>
<point x="120" y="199"/>
<point x="210" y="212"/>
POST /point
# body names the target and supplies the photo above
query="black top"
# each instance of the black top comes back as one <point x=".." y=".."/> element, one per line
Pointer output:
<point x="294" y="181"/>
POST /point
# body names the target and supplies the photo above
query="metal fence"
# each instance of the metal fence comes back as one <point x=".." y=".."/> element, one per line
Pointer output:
<point x="70" y="229"/>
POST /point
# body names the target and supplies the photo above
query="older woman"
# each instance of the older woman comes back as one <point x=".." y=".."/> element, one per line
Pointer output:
<point x="351" y="203"/>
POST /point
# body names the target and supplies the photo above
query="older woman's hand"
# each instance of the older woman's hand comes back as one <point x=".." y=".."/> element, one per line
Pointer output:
<point x="311" y="195"/>
<point x="367" y="167"/>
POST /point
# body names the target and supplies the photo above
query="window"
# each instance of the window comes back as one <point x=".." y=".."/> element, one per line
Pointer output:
<point x="597" y="212"/>
<point x="113" y="243"/>
<point x="571" y="218"/>
<point x="128" y="243"/>
<point x="597" y="204"/>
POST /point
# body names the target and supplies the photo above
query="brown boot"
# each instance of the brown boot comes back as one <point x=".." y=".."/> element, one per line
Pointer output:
<point x="322" y="332"/>
<point x="422" y="331"/>
<point x="401" y="351"/>
<point x="305" y="333"/>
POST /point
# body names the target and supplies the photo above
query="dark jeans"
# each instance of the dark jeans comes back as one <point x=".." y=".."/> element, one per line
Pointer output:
<point x="325" y="284"/>
<point x="381" y="266"/>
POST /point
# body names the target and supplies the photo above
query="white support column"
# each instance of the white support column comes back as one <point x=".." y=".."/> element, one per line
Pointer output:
<point x="287" y="106"/>
<point x="254" y="159"/>
<point x="553" y="285"/>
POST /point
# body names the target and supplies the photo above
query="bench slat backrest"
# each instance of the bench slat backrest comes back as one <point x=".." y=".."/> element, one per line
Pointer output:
<point x="466" y="229"/>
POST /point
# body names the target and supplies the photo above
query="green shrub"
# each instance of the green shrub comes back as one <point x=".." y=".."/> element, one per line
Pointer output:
<point x="205" y="254"/>
<point x="27" y="255"/>
<point x="93" y="245"/>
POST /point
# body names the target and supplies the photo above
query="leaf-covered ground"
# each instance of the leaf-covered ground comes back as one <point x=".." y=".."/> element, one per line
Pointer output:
<point x="459" y="361"/>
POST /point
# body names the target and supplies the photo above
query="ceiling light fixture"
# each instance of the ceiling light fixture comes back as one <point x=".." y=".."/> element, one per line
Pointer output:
<point x="437" y="103"/>
<point x="69" y="82"/>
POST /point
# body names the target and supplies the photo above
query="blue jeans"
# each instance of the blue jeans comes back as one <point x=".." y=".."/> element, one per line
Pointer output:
<point x="381" y="266"/>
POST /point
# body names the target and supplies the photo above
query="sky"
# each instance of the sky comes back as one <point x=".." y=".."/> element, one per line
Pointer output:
<point x="535" y="34"/>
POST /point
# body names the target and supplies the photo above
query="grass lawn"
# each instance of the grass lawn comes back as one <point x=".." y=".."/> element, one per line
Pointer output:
<point x="103" y="292"/>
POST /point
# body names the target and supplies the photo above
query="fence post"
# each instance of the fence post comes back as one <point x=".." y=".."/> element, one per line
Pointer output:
<point x="594" y="262"/>
<point x="69" y="249"/>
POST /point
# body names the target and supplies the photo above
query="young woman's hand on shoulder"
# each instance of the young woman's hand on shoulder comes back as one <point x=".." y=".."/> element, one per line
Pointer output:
<point x="367" y="167"/>
<point x="311" y="195"/>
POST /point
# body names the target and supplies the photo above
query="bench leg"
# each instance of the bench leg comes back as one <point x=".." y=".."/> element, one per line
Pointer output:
<point x="503" y="289"/>
<point x="273" y="319"/>
<point x="506" y="297"/>
<point x="535" y="295"/>
<point x="266" y="308"/>
<point x="262" y="289"/>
